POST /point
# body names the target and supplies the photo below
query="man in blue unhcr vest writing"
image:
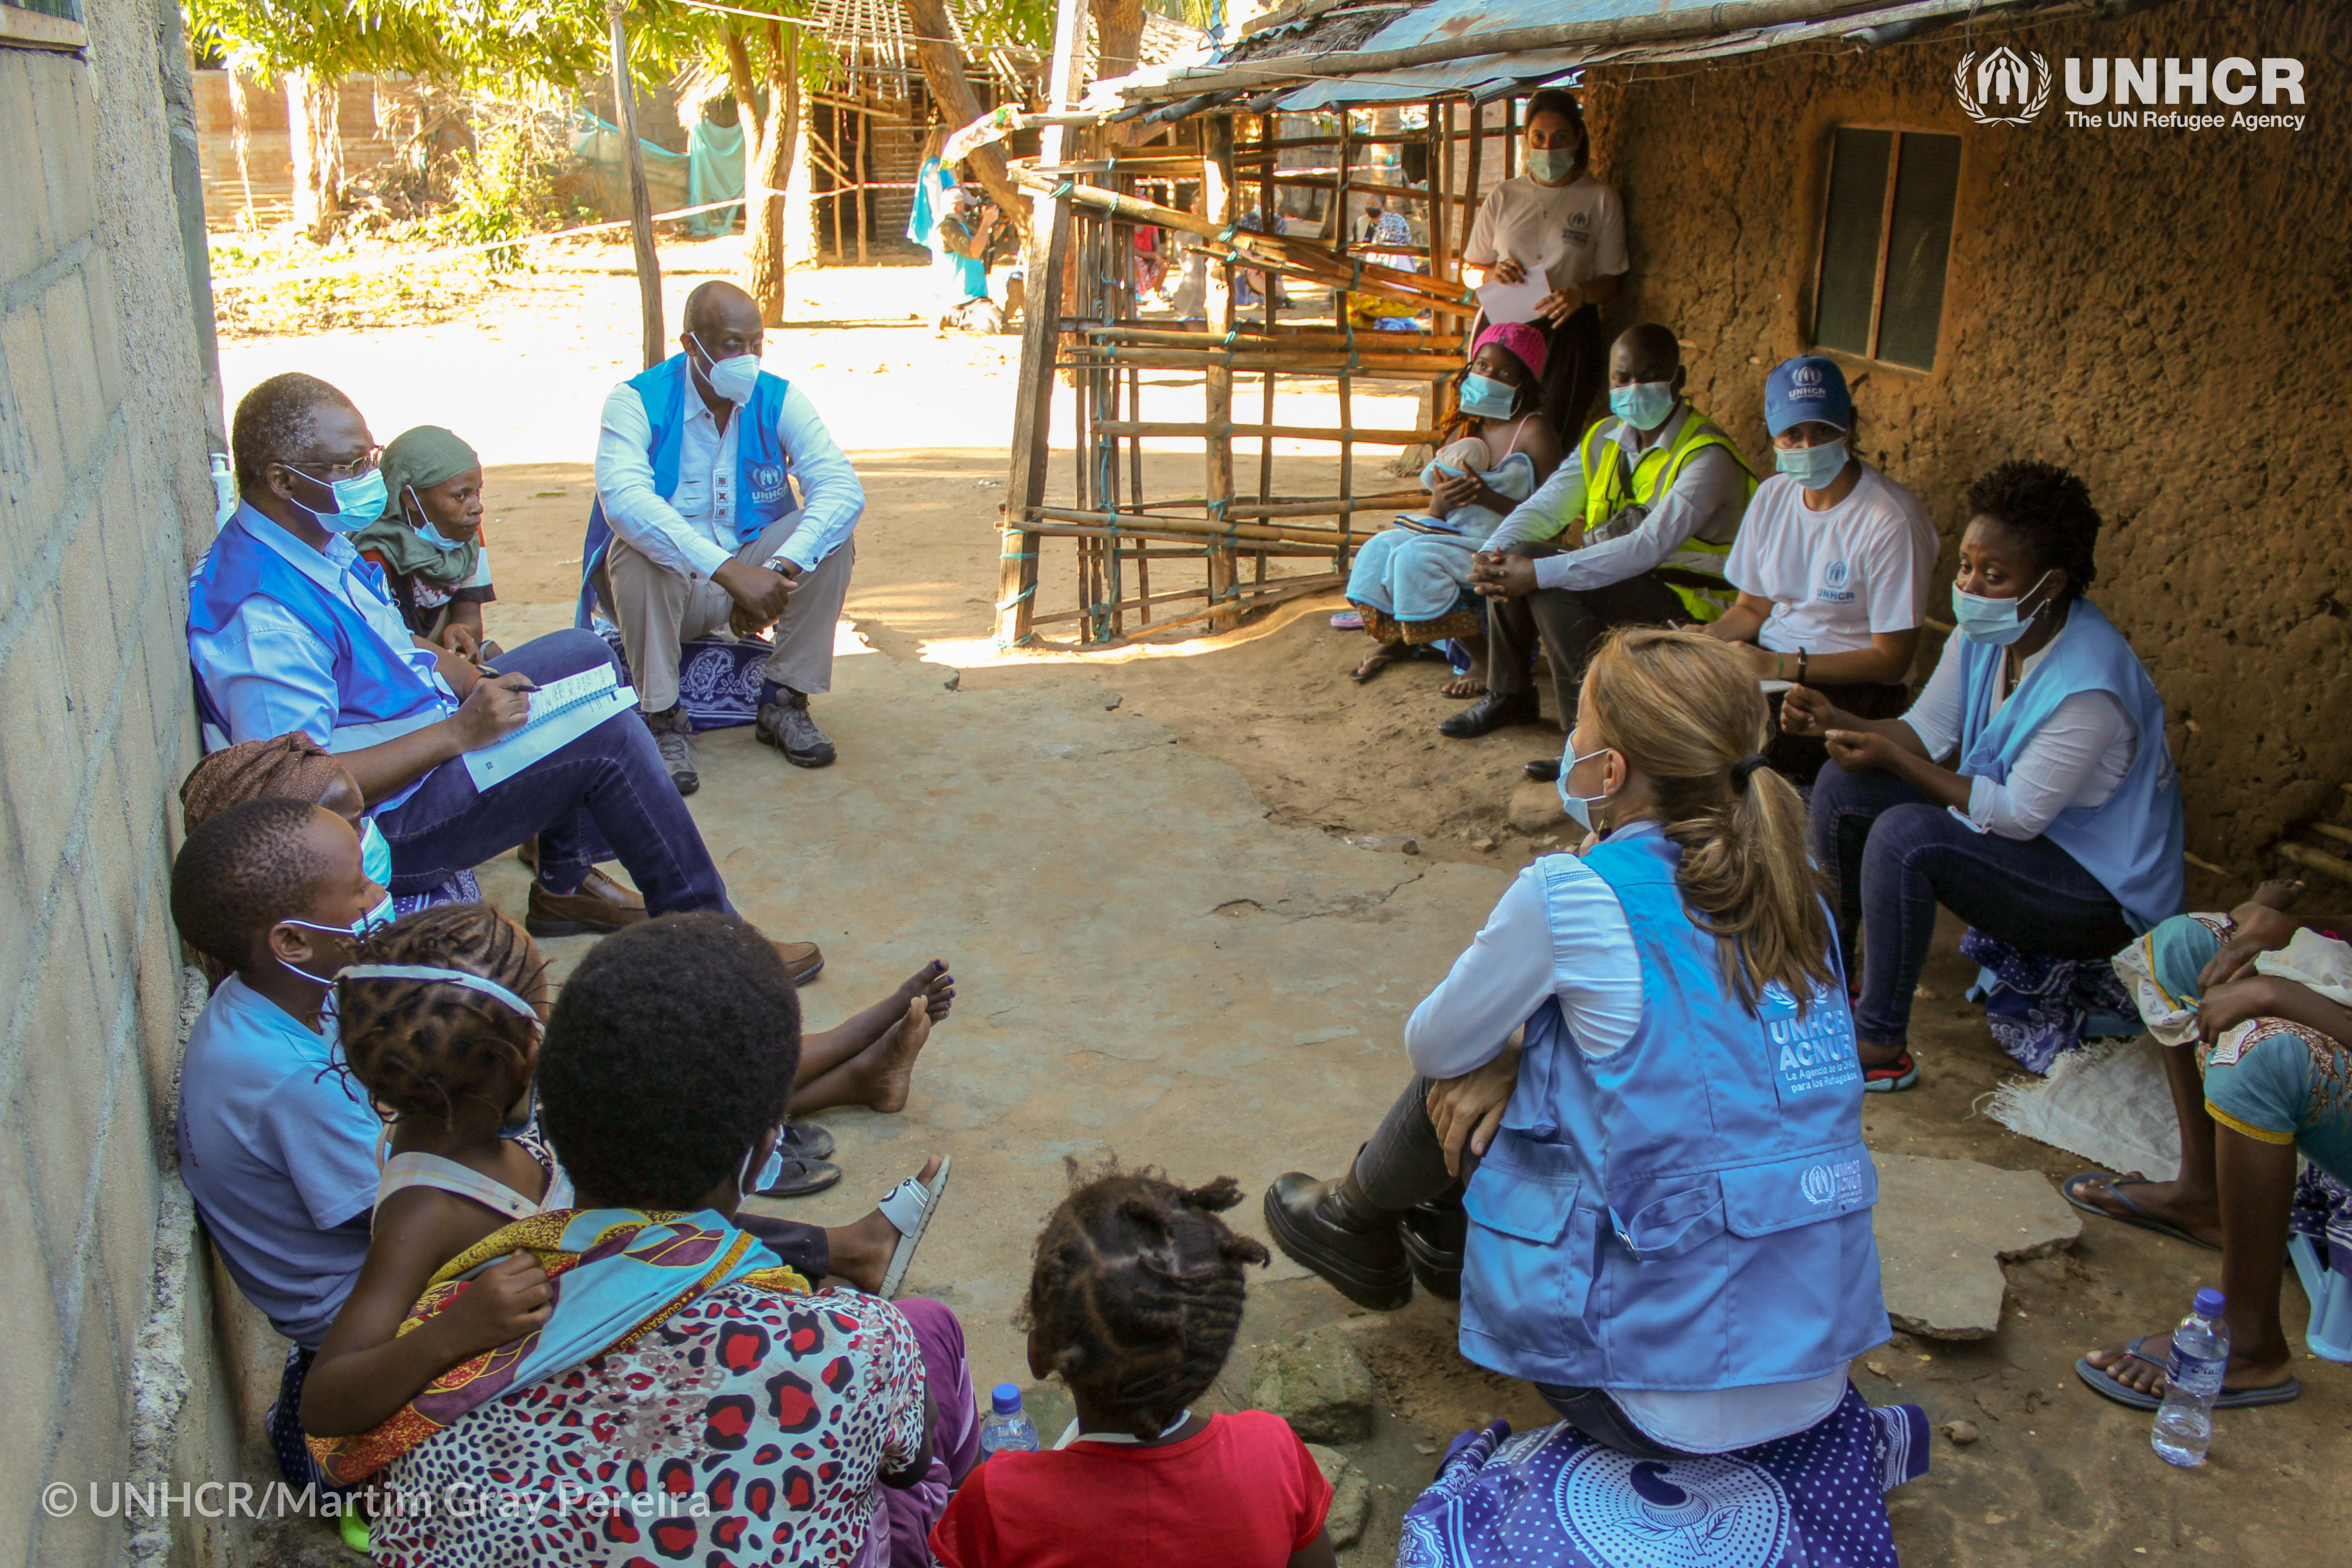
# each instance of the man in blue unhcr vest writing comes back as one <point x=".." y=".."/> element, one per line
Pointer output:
<point x="706" y="533"/>
<point x="289" y="629"/>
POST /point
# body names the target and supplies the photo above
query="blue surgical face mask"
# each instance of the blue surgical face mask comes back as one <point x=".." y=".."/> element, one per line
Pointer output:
<point x="1815" y="467"/>
<point x="1995" y="621"/>
<point x="732" y="379"/>
<point x="375" y="854"/>
<point x="430" y="534"/>
<point x="1644" y="404"/>
<point x="358" y="502"/>
<point x="772" y="1169"/>
<point x="1579" y="807"/>
<point x="1552" y="166"/>
<point x="381" y="915"/>
<point x="1487" y="397"/>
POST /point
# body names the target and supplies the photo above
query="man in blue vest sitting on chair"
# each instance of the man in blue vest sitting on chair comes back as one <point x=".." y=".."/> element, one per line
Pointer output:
<point x="705" y="531"/>
<point x="289" y="629"/>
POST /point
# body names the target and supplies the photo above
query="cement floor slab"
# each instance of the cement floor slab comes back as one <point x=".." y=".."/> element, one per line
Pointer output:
<point x="1946" y="1226"/>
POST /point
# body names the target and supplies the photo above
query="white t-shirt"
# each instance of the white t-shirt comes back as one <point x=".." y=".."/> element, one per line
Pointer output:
<point x="1569" y="233"/>
<point x="1865" y="565"/>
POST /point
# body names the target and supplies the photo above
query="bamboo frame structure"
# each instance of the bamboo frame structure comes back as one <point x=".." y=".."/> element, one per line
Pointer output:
<point x="1237" y="545"/>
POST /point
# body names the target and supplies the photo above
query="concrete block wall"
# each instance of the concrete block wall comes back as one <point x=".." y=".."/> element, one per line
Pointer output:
<point x="103" y="499"/>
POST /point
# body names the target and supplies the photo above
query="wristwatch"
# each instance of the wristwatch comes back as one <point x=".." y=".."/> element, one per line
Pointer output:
<point x="777" y="562"/>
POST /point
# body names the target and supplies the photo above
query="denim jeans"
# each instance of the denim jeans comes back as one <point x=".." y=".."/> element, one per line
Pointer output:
<point x="1893" y="855"/>
<point x="608" y="786"/>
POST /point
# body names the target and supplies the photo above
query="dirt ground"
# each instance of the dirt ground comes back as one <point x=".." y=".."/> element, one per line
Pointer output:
<point x="1184" y="966"/>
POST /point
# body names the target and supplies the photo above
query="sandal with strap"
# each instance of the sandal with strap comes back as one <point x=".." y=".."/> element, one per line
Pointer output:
<point x="910" y="1205"/>
<point x="2070" y="1189"/>
<point x="2105" y="1384"/>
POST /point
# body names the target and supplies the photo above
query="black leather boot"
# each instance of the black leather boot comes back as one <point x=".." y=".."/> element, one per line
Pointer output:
<point x="1332" y="1228"/>
<point x="1434" y="1235"/>
<point x="1490" y="713"/>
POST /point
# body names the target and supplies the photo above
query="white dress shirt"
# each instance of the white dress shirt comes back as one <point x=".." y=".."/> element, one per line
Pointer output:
<point x="269" y="673"/>
<point x="1584" y="959"/>
<point x="692" y="532"/>
<point x="1705" y="501"/>
<point x="2076" y="757"/>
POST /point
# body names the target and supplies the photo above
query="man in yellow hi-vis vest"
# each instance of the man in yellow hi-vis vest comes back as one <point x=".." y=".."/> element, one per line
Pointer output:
<point x="1632" y="529"/>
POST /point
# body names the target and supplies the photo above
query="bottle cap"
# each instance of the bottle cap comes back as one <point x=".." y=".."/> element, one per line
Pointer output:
<point x="2209" y="1302"/>
<point x="1006" y="1398"/>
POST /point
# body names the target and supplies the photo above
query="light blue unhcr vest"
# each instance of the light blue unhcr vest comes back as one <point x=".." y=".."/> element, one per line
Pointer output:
<point x="763" y="485"/>
<point x="1691" y="1211"/>
<point x="374" y="683"/>
<point x="2133" y="843"/>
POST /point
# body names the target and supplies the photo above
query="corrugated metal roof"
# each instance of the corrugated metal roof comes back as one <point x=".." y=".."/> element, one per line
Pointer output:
<point x="1339" y="53"/>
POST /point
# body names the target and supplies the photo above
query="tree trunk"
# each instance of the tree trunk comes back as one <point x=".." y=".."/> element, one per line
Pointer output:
<point x="766" y="262"/>
<point x="1118" y="35"/>
<point x="314" y="137"/>
<point x="949" y="80"/>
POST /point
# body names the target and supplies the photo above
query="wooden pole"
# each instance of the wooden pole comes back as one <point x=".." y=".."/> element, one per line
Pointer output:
<point x="641" y="205"/>
<point x="1217" y="209"/>
<point x="1040" y="325"/>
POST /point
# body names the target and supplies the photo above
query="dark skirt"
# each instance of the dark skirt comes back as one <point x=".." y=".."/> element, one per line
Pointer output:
<point x="1575" y="367"/>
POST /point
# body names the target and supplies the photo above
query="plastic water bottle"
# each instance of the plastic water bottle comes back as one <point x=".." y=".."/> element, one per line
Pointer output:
<point x="2192" y="1381"/>
<point x="1007" y="1426"/>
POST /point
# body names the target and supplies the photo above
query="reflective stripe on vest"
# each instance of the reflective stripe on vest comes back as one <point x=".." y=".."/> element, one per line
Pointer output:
<point x="1653" y="475"/>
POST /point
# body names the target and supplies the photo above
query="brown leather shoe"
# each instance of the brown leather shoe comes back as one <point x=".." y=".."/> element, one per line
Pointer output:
<point x="802" y="959"/>
<point x="600" y="904"/>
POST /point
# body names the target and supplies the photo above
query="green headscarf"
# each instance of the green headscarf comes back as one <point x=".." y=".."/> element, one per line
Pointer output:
<point x="419" y="459"/>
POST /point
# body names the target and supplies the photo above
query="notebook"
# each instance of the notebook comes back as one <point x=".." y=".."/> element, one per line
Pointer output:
<point x="561" y="712"/>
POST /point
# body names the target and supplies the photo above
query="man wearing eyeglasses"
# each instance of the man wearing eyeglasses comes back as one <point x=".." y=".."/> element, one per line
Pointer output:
<point x="289" y="629"/>
<point x="696" y="468"/>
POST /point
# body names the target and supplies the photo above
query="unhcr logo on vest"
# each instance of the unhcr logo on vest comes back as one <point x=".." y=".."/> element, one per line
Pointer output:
<point x="1999" y="90"/>
<point x="767" y="481"/>
<point x="1838" y="1184"/>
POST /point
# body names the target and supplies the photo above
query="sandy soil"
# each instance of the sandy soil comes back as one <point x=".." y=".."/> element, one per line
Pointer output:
<point x="2058" y="1475"/>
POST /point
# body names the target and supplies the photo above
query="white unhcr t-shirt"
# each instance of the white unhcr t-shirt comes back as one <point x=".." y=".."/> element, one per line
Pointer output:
<point x="1865" y="565"/>
<point x="1569" y="233"/>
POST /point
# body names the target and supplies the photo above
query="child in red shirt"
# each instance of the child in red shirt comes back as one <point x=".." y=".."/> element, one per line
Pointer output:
<point x="1135" y="1302"/>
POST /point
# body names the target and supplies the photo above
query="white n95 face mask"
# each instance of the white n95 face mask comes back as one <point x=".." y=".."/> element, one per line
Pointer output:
<point x="732" y="379"/>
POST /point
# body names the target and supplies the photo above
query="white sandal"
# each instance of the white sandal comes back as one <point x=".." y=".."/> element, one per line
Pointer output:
<point x="910" y="1205"/>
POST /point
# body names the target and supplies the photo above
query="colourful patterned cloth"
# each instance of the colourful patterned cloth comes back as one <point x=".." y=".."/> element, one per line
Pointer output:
<point x="1557" y="1498"/>
<point x="617" y="1273"/>
<point x="2039" y="1007"/>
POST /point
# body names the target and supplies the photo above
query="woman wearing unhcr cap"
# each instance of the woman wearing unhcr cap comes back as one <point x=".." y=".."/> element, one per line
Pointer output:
<point x="429" y="540"/>
<point x="1553" y="219"/>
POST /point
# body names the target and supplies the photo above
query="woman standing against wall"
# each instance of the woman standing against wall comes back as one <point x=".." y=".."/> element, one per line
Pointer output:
<point x="1555" y="221"/>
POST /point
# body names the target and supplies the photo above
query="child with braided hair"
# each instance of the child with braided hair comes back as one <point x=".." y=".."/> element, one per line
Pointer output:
<point x="1135" y="1300"/>
<point x="441" y="1020"/>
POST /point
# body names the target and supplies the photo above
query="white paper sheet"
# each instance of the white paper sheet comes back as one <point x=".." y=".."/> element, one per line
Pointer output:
<point x="1512" y="301"/>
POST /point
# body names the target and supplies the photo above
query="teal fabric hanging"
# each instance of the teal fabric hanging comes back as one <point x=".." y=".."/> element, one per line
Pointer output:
<point x="714" y="171"/>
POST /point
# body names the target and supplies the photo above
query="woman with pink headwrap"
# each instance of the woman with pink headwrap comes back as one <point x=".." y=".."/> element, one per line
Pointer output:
<point x="1411" y="581"/>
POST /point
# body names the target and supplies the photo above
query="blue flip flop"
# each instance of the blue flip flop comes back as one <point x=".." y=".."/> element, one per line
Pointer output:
<point x="2104" y="1383"/>
<point x="2070" y="1189"/>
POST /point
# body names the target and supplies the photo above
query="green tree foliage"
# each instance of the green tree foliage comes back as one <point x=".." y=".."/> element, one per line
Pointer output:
<point x="485" y="44"/>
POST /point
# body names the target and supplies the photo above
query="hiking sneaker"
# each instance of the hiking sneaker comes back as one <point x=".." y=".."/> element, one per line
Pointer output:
<point x="787" y="726"/>
<point x="670" y="731"/>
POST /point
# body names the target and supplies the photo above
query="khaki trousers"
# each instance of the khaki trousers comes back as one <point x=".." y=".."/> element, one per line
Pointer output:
<point x="659" y="611"/>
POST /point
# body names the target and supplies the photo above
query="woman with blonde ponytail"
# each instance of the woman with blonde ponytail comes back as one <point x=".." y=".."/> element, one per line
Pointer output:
<point x="1656" y="1206"/>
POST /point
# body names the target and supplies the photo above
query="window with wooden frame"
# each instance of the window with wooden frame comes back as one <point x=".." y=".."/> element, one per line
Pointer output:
<point x="1887" y="237"/>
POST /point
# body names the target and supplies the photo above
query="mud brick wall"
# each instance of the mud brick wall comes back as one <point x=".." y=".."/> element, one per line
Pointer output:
<point x="2167" y="312"/>
<point x="106" y="1295"/>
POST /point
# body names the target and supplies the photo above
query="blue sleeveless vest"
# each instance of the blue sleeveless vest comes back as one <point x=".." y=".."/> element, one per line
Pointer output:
<point x="763" y="486"/>
<point x="2133" y="843"/>
<point x="374" y="683"/>
<point x="1691" y="1211"/>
